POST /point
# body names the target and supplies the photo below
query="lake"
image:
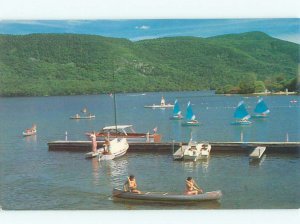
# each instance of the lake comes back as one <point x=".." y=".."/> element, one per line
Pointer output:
<point x="31" y="177"/>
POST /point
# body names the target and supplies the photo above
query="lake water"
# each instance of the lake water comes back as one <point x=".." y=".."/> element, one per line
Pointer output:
<point x="31" y="177"/>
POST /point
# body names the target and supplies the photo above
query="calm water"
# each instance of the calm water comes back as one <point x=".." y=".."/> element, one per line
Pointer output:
<point x="31" y="177"/>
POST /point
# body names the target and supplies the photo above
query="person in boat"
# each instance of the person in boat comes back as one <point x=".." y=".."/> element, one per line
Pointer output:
<point x="130" y="185"/>
<point x="191" y="187"/>
<point x="77" y="115"/>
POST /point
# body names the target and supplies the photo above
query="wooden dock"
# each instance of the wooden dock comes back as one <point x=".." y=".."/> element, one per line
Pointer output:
<point x="170" y="147"/>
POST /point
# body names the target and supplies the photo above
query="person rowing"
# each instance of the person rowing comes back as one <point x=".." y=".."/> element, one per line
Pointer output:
<point x="191" y="187"/>
<point x="130" y="185"/>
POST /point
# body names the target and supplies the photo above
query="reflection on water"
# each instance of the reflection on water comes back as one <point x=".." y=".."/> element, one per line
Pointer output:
<point x="116" y="170"/>
<point x="257" y="162"/>
<point x="192" y="166"/>
<point x="30" y="139"/>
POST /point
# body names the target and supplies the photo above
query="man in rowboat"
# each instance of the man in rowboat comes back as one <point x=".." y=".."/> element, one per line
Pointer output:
<point x="191" y="187"/>
<point x="130" y="185"/>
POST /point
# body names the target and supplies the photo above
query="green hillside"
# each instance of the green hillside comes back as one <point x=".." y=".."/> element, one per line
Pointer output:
<point x="66" y="64"/>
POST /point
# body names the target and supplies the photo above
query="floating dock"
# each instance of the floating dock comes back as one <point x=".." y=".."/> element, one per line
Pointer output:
<point x="171" y="147"/>
<point x="258" y="152"/>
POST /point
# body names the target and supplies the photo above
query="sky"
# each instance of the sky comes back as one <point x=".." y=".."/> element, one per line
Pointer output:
<point x="139" y="29"/>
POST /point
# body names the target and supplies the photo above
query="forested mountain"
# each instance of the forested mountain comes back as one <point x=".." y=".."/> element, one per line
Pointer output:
<point x="65" y="64"/>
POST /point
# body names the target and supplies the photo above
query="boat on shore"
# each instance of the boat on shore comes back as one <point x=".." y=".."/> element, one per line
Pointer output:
<point x="77" y="116"/>
<point x="162" y="105"/>
<point x="190" y="117"/>
<point x="241" y="115"/>
<point x="30" y="131"/>
<point x="261" y="110"/>
<point x="166" y="196"/>
<point x="125" y="131"/>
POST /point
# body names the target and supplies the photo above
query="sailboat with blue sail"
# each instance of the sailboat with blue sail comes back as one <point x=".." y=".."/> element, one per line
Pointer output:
<point x="261" y="110"/>
<point x="241" y="115"/>
<point x="190" y="117"/>
<point x="176" y="112"/>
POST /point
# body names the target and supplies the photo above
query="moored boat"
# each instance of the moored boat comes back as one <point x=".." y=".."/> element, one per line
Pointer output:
<point x="193" y="151"/>
<point x="126" y="131"/>
<point x="113" y="149"/>
<point x="166" y="196"/>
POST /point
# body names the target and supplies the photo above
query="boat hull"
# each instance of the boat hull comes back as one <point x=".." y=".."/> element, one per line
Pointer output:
<point x="167" y="197"/>
<point x="78" y="118"/>
<point x="241" y="123"/>
<point x="159" y="106"/>
<point x="187" y="123"/>
<point x="25" y="134"/>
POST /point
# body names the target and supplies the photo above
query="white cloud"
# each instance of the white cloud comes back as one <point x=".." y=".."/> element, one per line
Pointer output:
<point x="143" y="27"/>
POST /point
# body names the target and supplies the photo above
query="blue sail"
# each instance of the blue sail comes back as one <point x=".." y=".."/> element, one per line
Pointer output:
<point x="189" y="112"/>
<point x="261" y="107"/>
<point x="241" y="111"/>
<point x="176" y="109"/>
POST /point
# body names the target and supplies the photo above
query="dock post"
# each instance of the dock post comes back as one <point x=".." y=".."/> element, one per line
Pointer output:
<point x="66" y="136"/>
<point x="287" y="137"/>
<point x="147" y="137"/>
<point x="242" y="136"/>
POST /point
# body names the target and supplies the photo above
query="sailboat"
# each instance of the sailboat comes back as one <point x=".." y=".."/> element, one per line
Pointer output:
<point x="117" y="147"/>
<point x="241" y="115"/>
<point x="190" y="117"/>
<point x="261" y="110"/>
<point x="176" y="112"/>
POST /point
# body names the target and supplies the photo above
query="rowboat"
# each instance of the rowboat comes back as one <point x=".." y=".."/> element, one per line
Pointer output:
<point x="82" y="117"/>
<point x="29" y="132"/>
<point x="162" y="105"/>
<point x="193" y="151"/>
<point x="166" y="196"/>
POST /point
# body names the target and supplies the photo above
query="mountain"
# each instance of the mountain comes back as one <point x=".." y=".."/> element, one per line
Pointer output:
<point x="67" y="64"/>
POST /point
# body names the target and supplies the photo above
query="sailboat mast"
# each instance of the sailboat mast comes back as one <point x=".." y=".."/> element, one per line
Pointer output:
<point x="115" y="106"/>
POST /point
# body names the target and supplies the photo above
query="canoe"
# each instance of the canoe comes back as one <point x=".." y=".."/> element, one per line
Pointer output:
<point x="167" y="197"/>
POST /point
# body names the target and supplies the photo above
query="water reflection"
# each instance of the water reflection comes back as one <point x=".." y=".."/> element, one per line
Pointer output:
<point x="30" y="139"/>
<point x="191" y="166"/>
<point x="257" y="162"/>
<point x="115" y="170"/>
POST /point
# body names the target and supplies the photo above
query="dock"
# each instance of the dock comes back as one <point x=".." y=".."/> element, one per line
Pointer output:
<point x="257" y="152"/>
<point x="170" y="147"/>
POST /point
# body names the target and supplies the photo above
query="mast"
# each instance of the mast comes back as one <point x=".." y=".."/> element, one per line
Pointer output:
<point x="115" y="106"/>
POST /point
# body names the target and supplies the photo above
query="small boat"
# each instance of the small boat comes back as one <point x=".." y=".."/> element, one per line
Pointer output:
<point x="166" y="196"/>
<point x="125" y="131"/>
<point x="193" y="151"/>
<point x="30" y="131"/>
<point x="162" y="105"/>
<point x="113" y="149"/>
<point x="241" y="115"/>
<point x="77" y="116"/>
<point x="190" y="117"/>
<point x="293" y="101"/>
<point x="261" y="110"/>
<point x="92" y="154"/>
<point x="176" y="112"/>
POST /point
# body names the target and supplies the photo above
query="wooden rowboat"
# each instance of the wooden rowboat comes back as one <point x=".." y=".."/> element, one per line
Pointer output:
<point x="167" y="197"/>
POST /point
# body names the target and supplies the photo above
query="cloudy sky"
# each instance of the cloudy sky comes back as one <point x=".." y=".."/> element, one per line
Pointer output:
<point x="285" y="29"/>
